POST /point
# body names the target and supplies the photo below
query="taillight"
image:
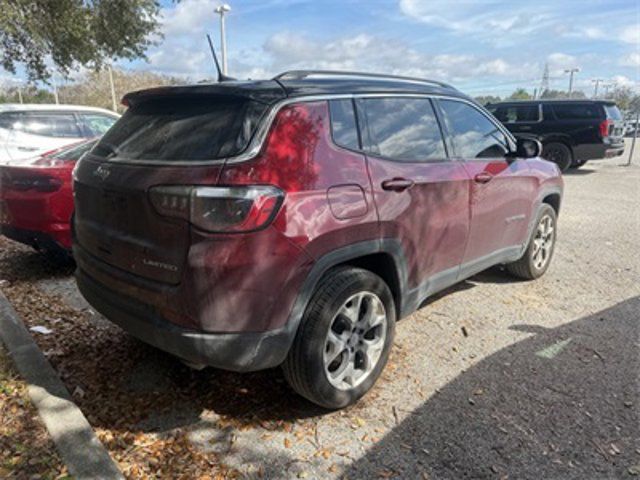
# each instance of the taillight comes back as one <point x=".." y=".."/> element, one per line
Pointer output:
<point x="219" y="209"/>
<point x="604" y="127"/>
<point x="23" y="183"/>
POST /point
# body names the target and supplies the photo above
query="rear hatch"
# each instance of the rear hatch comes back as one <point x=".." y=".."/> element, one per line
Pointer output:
<point x="167" y="137"/>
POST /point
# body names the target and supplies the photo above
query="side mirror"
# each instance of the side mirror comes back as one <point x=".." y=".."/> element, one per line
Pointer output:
<point x="528" y="148"/>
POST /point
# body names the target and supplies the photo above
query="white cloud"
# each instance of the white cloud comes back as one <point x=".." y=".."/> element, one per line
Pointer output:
<point x="496" y="22"/>
<point x="630" y="34"/>
<point x="631" y="60"/>
<point x="364" y="52"/>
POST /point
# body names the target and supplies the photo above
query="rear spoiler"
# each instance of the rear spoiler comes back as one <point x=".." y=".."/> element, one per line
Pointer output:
<point x="267" y="91"/>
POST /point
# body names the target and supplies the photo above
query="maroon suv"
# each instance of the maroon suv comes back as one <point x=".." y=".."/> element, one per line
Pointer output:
<point x="291" y="222"/>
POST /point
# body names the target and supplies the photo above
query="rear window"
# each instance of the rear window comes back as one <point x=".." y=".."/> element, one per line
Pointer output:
<point x="185" y="128"/>
<point x="517" y="113"/>
<point x="613" y="112"/>
<point x="577" y="111"/>
<point x="404" y="129"/>
<point x="343" y="124"/>
<point x="60" y="125"/>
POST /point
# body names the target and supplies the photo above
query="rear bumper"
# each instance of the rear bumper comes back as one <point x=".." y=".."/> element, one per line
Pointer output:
<point x="37" y="240"/>
<point x="239" y="352"/>
<point x="598" y="151"/>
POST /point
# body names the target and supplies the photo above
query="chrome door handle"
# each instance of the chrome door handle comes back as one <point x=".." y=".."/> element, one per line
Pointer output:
<point x="483" y="177"/>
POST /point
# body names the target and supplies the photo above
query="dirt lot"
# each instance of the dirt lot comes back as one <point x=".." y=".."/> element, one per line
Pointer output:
<point x="545" y="383"/>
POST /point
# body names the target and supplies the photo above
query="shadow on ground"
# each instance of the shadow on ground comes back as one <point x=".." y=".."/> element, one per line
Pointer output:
<point x="563" y="403"/>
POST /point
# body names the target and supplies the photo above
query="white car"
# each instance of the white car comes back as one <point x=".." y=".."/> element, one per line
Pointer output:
<point x="27" y="130"/>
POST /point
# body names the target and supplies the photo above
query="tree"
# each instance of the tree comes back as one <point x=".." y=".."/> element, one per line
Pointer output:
<point x="94" y="88"/>
<point x="519" y="94"/>
<point x="558" y="94"/>
<point x="65" y="34"/>
<point x="487" y="99"/>
<point x="622" y="96"/>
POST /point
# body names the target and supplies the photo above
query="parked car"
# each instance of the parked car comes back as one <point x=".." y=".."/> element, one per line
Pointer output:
<point x="36" y="199"/>
<point x="32" y="129"/>
<point x="572" y="132"/>
<point x="292" y="221"/>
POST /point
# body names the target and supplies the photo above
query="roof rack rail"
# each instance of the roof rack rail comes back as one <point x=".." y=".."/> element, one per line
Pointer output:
<point x="300" y="74"/>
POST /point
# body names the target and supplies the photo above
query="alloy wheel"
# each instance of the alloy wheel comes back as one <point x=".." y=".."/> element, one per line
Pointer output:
<point x="355" y="340"/>
<point x="543" y="242"/>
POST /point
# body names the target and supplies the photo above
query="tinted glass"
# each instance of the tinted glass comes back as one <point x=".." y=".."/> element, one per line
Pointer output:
<point x="8" y="119"/>
<point x="517" y="113"/>
<point x="71" y="154"/>
<point x="97" y="124"/>
<point x="185" y="128"/>
<point x="612" y="112"/>
<point x="49" y="124"/>
<point x="577" y="111"/>
<point x="404" y="129"/>
<point x="472" y="133"/>
<point x="343" y="124"/>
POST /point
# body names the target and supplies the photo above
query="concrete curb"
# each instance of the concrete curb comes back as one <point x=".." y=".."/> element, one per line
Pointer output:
<point x="74" y="438"/>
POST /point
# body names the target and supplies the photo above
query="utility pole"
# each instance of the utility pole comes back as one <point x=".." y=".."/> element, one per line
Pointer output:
<point x="20" y="94"/>
<point x="596" y="81"/>
<point x="222" y="10"/>
<point x="113" y="90"/>
<point x="544" y="84"/>
<point x="55" y="89"/>
<point x="571" y="71"/>
<point x="606" y="87"/>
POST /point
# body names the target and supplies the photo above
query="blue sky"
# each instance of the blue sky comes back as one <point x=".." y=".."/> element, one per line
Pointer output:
<point x="483" y="46"/>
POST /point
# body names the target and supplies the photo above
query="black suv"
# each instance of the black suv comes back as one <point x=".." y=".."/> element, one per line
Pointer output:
<point x="571" y="131"/>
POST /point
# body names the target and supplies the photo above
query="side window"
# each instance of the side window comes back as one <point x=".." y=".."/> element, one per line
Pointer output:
<point x="8" y="120"/>
<point x="473" y="135"/>
<point x="527" y="113"/>
<point x="49" y="125"/>
<point x="343" y="124"/>
<point x="517" y="113"/>
<point x="96" y="124"/>
<point x="576" y="111"/>
<point x="404" y="129"/>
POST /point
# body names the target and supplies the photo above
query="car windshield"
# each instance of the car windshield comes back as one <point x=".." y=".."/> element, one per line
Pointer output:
<point x="186" y="128"/>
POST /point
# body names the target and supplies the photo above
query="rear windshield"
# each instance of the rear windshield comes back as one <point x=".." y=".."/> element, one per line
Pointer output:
<point x="612" y="112"/>
<point x="185" y="128"/>
<point x="577" y="111"/>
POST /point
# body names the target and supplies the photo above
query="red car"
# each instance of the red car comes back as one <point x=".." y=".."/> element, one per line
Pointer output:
<point x="292" y="221"/>
<point x="36" y="199"/>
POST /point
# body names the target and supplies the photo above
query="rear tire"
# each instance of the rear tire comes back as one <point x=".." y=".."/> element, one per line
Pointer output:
<point x="559" y="154"/>
<point x="343" y="342"/>
<point x="537" y="256"/>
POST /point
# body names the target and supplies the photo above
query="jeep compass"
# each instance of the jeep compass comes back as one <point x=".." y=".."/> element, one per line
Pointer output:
<point x="293" y="221"/>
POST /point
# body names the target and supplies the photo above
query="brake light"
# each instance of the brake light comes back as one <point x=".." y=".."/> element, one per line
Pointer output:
<point x="23" y="183"/>
<point x="219" y="209"/>
<point x="604" y="127"/>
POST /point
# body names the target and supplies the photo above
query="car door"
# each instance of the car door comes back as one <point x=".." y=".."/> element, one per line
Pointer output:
<point x="39" y="131"/>
<point x="422" y="197"/>
<point x="502" y="189"/>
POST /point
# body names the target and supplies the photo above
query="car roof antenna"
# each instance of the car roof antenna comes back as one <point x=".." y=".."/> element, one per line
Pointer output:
<point x="221" y="76"/>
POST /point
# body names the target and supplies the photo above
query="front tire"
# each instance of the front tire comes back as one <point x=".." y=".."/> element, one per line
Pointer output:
<point x="559" y="154"/>
<point x="343" y="342"/>
<point x="537" y="256"/>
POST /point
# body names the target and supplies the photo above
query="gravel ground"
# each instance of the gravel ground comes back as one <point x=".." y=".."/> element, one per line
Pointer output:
<point x="544" y="384"/>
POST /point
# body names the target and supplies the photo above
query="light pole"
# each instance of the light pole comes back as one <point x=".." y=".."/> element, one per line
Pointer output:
<point x="222" y="10"/>
<point x="571" y="71"/>
<point x="596" y="81"/>
<point x="114" y="103"/>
